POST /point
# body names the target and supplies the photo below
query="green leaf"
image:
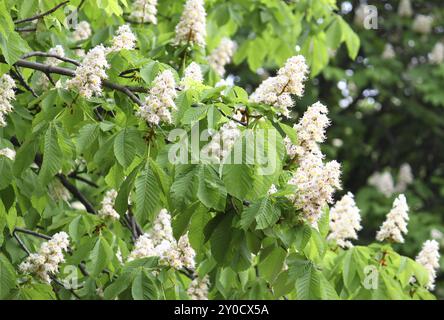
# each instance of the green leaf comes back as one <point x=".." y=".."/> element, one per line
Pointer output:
<point x="118" y="286"/>
<point x="13" y="46"/>
<point x="87" y="136"/>
<point x="211" y="190"/>
<point x="144" y="287"/>
<point x="308" y="285"/>
<point x="263" y="211"/>
<point x="271" y="265"/>
<point x="52" y="155"/>
<point x="100" y="256"/>
<point x="125" y="146"/>
<point x="8" y="276"/>
<point x="147" y="195"/>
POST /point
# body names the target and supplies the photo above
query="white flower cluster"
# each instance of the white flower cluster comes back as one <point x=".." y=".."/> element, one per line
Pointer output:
<point x="423" y="24"/>
<point x="316" y="183"/>
<point x="272" y="190"/>
<point x="107" y="210"/>
<point x="385" y="184"/>
<point x="144" y="11"/>
<point x="159" y="242"/>
<point x="58" y="50"/>
<point x="437" y="54"/>
<point x="124" y="39"/>
<point x="310" y="131"/>
<point x="46" y="262"/>
<point x="360" y="14"/>
<point x="396" y="222"/>
<point x="160" y="101"/>
<point x="82" y="31"/>
<point x="389" y="52"/>
<point x="223" y="140"/>
<point x="198" y="289"/>
<point x="405" y="8"/>
<point x="8" y="153"/>
<point x="192" y="75"/>
<point x="7" y="94"/>
<point x="192" y="25"/>
<point x="89" y="75"/>
<point x="221" y="56"/>
<point x="276" y="91"/>
<point x="429" y="258"/>
<point x="345" y="221"/>
<point x="58" y="191"/>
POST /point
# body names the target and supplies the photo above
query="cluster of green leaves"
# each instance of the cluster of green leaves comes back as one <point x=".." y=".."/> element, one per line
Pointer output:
<point x="252" y="245"/>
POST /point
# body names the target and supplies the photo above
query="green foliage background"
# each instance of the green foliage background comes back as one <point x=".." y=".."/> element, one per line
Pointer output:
<point x="252" y="245"/>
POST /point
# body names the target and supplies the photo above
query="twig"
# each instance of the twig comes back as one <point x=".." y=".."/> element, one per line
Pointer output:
<point x="41" y="15"/>
<point x="77" y="177"/>
<point x="23" y="82"/>
<point x="32" y="233"/>
<point x="45" y="54"/>
<point x="233" y="119"/>
<point x="47" y="69"/>
<point x="26" y="29"/>
<point x="76" y="193"/>
<point x="21" y="244"/>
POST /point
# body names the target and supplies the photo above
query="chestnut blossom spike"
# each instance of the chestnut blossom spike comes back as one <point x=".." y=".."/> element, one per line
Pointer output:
<point x="159" y="242"/>
<point x="222" y="141"/>
<point x="45" y="263"/>
<point x="389" y="52"/>
<point x="316" y="183"/>
<point x="89" y="75"/>
<point x="396" y="222"/>
<point x="124" y="39"/>
<point x="276" y="91"/>
<point x="8" y="153"/>
<point x="345" y="221"/>
<point x="437" y="54"/>
<point x="144" y="11"/>
<point x="383" y="182"/>
<point x="160" y="101"/>
<point x="107" y="210"/>
<point x="191" y="28"/>
<point x="82" y="31"/>
<point x="423" y="24"/>
<point x="221" y="56"/>
<point x="198" y="288"/>
<point x="429" y="258"/>
<point x="405" y="178"/>
<point x="192" y="75"/>
<point x="7" y="94"/>
<point x="405" y="8"/>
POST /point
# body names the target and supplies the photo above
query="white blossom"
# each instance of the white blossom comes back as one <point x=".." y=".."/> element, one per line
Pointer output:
<point x="383" y="182"/>
<point x="159" y="242"/>
<point x="272" y="190"/>
<point x="405" y="178"/>
<point x="389" y="52"/>
<point x="192" y="75"/>
<point x="8" y="153"/>
<point x="89" y="75"/>
<point x="82" y="31"/>
<point x="405" y="8"/>
<point x="160" y="101"/>
<point x="192" y="25"/>
<point x="223" y="140"/>
<point x="107" y="210"/>
<point x="77" y="205"/>
<point x="396" y="222"/>
<point x="345" y="221"/>
<point x="221" y="56"/>
<point x="437" y="54"/>
<point x="316" y="183"/>
<point x="198" y="288"/>
<point x="7" y="94"/>
<point x="276" y="91"/>
<point x="124" y="39"/>
<point x="429" y="258"/>
<point x="437" y="234"/>
<point x="423" y="24"/>
<point x="360" y="14"/>
<point x="144" y="11"/>
<point x="45" y="262"/>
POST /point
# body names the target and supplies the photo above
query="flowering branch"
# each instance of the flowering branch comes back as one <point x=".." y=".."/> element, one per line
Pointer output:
<point x="45" y="54"/>
<point x="41" y="15"/>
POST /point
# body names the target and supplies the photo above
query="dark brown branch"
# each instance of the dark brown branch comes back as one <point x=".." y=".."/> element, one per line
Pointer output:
<point x="26" y="29"/>
<point x="45" y="54"/>
<point x="23" y="82"/>
<point x="47" y="69"/>
<point x="32" y="233"/>
<point x="74" y="175"/>
<point x="76" y="193"/>
<point x="41" y="15"/>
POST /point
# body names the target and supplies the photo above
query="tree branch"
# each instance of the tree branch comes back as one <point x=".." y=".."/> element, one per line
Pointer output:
<point x="76" y="193"/>
<point x="41" y="15"/>
<point x="45" y="54"/>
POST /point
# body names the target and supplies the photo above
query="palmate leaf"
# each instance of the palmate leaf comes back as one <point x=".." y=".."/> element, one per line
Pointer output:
<point x="263" y="211"/>
<point x="52" y="155"/>
<point x="144" y="286"/>
<point x="125" y="146"/>
<point x="147" y="195"/>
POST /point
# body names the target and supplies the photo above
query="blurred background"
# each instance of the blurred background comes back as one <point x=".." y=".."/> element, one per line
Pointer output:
<point x="386" y="104"/>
